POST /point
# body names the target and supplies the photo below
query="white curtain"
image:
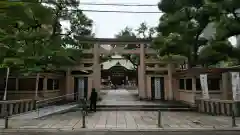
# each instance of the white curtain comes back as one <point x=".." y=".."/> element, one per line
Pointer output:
<point x="204" y="85"/>
<point x="235" y="86"/>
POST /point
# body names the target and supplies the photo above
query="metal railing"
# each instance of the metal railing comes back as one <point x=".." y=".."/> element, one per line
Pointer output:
<point x="9" y="108"/>
<point x="49" y="101"/>
<point x="159" y="118"/>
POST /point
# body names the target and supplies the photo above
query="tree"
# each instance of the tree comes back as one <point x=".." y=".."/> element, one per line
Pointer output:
<point x="22" y="34"/>
<point x="127" y="33"/>
<point x="143" y="31"/>
<point x="31" y="35"/>
<point x="227" y="18"/>
<point x="41" y="30"/>
<point x="227" y="24"/>
<point x="215" y="52"/>
<point x="182" y="28"/>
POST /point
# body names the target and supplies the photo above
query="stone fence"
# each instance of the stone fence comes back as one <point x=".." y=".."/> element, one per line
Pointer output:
<point x="218" y="107"/>
<point x="16" y="106"/>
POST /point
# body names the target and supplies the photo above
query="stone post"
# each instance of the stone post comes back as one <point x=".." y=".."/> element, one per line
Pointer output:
<point x="45" y="83"/>
<point x="225" y="85"/>
<point x="90" y="85"/>
<point x="194" y="89"/>
<point x="141" y="73"/>
<point x="170" y="81"/>
<point x="96" y="68"/>
<point x="68" y="87"/>
<point x="17" y="84"/>
<point x="126" y="81"/>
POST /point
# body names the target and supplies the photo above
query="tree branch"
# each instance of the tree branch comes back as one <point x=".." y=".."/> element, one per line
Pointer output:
<point x="236" y="16"/>
<point x="59" y="9"/>
<point x="129" y="58"/>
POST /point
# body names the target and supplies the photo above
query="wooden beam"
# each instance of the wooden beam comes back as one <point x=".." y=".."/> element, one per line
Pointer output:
<point x="113" y="40"/>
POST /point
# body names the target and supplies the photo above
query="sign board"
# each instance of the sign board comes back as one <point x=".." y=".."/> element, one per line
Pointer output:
<point x="204" y="86"/>
<point x="235" y="86"/>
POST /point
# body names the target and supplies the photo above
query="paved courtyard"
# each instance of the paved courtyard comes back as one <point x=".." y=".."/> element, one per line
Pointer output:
<point x="124" y="120"/>
<point x="125" y="133"/>
<point x="122" y="97"/>
<point x="134" y="120"/>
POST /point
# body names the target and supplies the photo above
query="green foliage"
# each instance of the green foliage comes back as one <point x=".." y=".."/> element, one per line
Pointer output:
<point x="183" y="22"/>
<point x="215" y="52"/>
<point x="143" y="31"/>
<point x="32" y="38"/>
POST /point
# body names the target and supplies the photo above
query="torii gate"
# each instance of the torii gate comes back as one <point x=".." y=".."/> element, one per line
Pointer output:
<point x="142" y="50"/>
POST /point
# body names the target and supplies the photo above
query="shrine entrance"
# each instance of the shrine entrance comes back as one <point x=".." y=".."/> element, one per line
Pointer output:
<point x="118" y="74"/>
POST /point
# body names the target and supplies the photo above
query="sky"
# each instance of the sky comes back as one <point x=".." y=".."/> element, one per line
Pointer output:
<point x="106" y="25"/>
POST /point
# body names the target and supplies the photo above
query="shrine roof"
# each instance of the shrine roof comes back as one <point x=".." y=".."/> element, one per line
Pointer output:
<point x="117" y="60"/>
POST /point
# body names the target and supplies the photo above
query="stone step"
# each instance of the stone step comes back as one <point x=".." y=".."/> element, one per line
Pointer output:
<point x="143" y="106"/>
<point x="144" y="109"/>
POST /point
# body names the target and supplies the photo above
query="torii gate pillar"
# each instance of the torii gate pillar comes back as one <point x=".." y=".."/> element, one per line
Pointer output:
<point x="96" y="68"/>
<point x="141" y="74"/>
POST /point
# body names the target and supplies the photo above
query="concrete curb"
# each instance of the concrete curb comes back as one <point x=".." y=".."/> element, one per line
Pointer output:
<point x="117" y="130"/>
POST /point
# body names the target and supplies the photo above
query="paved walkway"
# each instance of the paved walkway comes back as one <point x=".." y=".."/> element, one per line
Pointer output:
<point x="124" y="133"/>
<point x="124" y="120"/>
<point x="122" y="97"/>
<point x="134" y="120"/>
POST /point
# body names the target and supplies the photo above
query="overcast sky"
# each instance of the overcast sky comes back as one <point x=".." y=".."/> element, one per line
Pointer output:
<point x="108" y="24"/>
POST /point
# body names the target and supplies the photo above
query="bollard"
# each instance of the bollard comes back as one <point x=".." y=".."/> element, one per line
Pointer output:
<point x="6" y="115"/>
<point x="83" y="119"/>
<point x="233" y="115"/>
<point x="84" y="114"/>
<point x="37" y="109"/>
<point x="159" y="119"/>
<point x="38" y="112"/>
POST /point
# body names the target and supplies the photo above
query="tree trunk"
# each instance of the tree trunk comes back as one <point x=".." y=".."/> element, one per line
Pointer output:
<point x="190" y="61"/>
<point x="36" y="88"/>
<point x="6" y="85"/>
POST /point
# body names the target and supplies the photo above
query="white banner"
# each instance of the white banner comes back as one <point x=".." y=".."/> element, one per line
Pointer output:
<point x="235" y="86"/>
<point x="204" y="85"/>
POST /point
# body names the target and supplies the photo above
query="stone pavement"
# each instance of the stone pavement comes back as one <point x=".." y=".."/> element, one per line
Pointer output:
<point x="119" y="120"/>
<point x="124" y="120"/>
<point x="122" y="97"/>
<point x="126" y="133"/>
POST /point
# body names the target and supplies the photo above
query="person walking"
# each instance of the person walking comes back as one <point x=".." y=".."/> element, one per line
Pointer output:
<point x="93" y="100"/>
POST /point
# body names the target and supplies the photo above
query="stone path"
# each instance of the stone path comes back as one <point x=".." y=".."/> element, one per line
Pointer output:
<point x="124" y="120"/>
<point x="123" y="133"/>
<point x="134" y="120"/>
<point x="122" y="97"/>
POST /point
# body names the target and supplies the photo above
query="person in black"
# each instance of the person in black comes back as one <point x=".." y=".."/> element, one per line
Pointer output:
<point x="93" y="100"/>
